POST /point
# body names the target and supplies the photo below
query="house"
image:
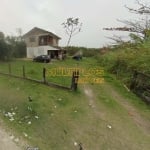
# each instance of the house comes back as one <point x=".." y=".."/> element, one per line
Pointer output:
<point x="42" y="42"/>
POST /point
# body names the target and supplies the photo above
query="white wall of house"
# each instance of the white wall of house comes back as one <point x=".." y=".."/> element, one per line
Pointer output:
<point x="39" y="50"/>
<point x="35" y="51"/>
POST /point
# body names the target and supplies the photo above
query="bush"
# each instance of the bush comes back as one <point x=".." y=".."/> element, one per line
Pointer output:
<point x="124" y="61"/>
<point x="87" y="52"/>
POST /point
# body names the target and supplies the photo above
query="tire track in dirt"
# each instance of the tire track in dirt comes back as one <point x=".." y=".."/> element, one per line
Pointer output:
<point x="141" y="122"/>
<point x="92" y="103"/>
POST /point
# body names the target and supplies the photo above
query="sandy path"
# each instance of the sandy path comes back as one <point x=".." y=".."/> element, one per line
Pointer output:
<point x="6" y="141"/>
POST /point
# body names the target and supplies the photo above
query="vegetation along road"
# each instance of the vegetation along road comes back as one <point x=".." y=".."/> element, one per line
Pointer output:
<point x="102" y="116"/>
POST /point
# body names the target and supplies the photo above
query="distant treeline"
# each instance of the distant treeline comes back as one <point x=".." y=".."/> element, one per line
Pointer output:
<point x="87" y="52"/>
<point x="11" y="47"/>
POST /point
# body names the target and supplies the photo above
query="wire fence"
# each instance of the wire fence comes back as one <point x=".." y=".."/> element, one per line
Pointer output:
<point x="44" y="80"/>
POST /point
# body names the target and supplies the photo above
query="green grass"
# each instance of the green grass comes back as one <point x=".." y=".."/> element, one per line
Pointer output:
<point x="34" y="70"/>
<point x="65" y="117"/>
<point x="43" y="105"/>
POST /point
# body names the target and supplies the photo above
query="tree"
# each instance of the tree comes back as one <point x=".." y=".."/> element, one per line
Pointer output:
<point x="19" y="34"/>
<point x="142" y="9"/>
<point x="141" y="27"/>
<point x="18" y="46"/>
<point x="2" y="36"/>
<point x="12" y="46"/>
<point x="5" y="50"/>
<point x="20" y="49"/>
<point x="72" y="26"/>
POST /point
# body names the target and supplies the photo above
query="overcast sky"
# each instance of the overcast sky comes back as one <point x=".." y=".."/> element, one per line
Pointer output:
<point x="50" y="14"/>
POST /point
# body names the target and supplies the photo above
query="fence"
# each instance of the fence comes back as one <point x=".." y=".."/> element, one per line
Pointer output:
<point x="73" y="84"/>
<point x="140" y="85"/>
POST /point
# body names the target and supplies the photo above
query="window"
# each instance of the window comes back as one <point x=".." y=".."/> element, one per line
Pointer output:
<point x="44" y="40"/>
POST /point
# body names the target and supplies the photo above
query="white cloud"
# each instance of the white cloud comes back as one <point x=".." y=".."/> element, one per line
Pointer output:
<point x="49" y="14"/>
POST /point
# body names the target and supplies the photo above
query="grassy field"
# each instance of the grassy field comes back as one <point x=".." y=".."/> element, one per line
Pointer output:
<point x="34" y="70"/>
<point x="99" y="116"/>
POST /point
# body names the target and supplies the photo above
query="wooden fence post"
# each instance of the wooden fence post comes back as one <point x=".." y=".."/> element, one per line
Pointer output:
<point x="9" y="68"/>
<point x="76" y="79"/>
<point x="44" y="75"/>
<point x="23" y="69"/>
<point x="75" y="76"/>
<point x="72" y="82"/>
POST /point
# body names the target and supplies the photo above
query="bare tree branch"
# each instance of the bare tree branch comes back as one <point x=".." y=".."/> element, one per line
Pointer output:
<point x="117" y="39"/>
<point x="143" y="8"/>
<point x="72" y="27"/>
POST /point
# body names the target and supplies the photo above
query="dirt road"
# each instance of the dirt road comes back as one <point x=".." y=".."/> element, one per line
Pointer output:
<point x="7" y="141"/>
<point x="142" y="123"/>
